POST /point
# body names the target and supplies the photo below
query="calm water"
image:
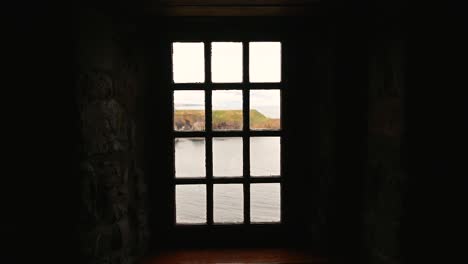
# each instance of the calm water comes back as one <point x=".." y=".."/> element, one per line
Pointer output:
<point x="227" y="162"/>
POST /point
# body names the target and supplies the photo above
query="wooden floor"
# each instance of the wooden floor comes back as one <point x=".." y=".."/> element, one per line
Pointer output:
<point x="237" y="256"/>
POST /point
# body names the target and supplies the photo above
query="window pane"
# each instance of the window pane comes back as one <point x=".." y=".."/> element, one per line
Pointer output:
<point x="227" y="157"/>
<point x="189" y="157"/>
<point x="265" y="202"/>
<point x="191" y="204"/>
<point x="188" y="62"/>
<point x="265" y="62"/>
<point x="226" y="62"/>
<point x="228" y="203"/>
<point x="227" y="110"/>
<point x="265" y="157"/>
<point x="265" y="110"/>
<point x="189" y="110"/>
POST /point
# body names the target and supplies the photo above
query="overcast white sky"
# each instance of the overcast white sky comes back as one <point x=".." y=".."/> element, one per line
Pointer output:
<point x="265" y="66"/>
<point x="227" y="100"/>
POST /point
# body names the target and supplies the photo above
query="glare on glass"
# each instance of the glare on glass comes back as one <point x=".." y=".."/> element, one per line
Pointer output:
<point x="227" y="110"/>
<point x="189" y="110"/>
<point x="265" y="202"/>
<point x="227" y="157"/>
<point x="191" y="204"/>
<point x="265" y="110"/>
<point x="226" y="62"/>
<point x="265" y="158"/>
<point x="188" y="62"/>
<point x="265" y="62"/>
<point x="228" y="203"/>
<point x="190" y="157"/>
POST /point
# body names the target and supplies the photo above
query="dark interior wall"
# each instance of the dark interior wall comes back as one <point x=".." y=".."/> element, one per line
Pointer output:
<point x="434" y="219"/>
<point x="327" y="136"/>
<point x="311" y="122"/>
<point x="385" y="182"/>
<point x="348" y="36"/>
<point x="109" y="91"/>
<point x="362" y="116"/>
<point x="39" y="184"/>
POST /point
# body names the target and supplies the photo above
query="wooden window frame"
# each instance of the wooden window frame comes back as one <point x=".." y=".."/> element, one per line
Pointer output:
<point x="158" y="34"/>
<point x="246" y="133"/>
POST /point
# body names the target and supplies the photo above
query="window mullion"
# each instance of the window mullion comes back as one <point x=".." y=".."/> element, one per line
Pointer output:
<point x="209" y="136"/>
<point x="246" y="130"/>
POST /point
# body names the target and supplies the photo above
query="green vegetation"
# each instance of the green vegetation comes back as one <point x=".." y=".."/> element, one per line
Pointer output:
<point x="227" y="119"/>
<point x="260" y="121"/>
<point x="222" y="120"/>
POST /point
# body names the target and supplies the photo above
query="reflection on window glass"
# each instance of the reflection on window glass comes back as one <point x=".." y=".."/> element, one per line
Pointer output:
<point x="227" y="110"/>
<point x="189" y="110"/>
<point x="265" y="110"/>
<point x="188" y="62"/>
<point x="265" y="62"/>
<point x="265" y="156"/>
<point x="228" y="203"/>
<point x="265" y="202"/>
<point x="226" y="62"/>
<point x="191" y="204"/>
<point x="227" y="157"/>
<point x="190" y="157"/>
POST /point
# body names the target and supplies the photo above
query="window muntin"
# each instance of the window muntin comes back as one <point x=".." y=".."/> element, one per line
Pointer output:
<point x="239" y="116"/>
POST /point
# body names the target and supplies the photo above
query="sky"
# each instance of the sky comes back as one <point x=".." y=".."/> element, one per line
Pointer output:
<point x="265" y="66"/>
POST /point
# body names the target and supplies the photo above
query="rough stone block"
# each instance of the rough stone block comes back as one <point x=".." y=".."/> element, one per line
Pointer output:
<point x="94" y="85"/>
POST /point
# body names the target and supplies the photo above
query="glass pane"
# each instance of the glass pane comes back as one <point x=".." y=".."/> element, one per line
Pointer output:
<point x="191" y="204"/>
<point x="189" y="110"/>
<point x="265" y="157"/>
<point x="190" y="157"/>
<point x="227" y="157"/>
<point x="228" y="203"/>
<point x="227" y="110"/>
<point x="265" y="202"/>
<point x="265" y="110"/>
<point x="265" y="62"/>
<point x="188" y="62"/>
<point x="226" y="62"/>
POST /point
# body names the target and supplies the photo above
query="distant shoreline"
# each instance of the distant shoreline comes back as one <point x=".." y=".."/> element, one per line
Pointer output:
<point x="222" y="120"/>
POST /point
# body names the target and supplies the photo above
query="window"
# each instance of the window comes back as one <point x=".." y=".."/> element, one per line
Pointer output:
<point x="227" y="132"/>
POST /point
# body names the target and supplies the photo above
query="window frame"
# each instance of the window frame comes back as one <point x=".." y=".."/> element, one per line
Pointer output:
<point x="246" y="133"/>
<point x="299" y="189"/>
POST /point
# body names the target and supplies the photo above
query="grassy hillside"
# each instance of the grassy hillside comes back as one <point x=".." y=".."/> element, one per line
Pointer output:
<point x="227" y="119"/>
<point x="222" y="120"/>
<point x="260" y="121"/>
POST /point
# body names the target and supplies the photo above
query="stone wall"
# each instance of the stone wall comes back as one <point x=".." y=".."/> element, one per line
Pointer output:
<point x="386" y="175"/>
<point x="362" y="174"/>
<point x="110" y="82"/>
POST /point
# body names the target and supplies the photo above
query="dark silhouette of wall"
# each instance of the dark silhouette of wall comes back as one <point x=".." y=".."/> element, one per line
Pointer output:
<point x="386" y="176"/>
<point x="109" y="89"/>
